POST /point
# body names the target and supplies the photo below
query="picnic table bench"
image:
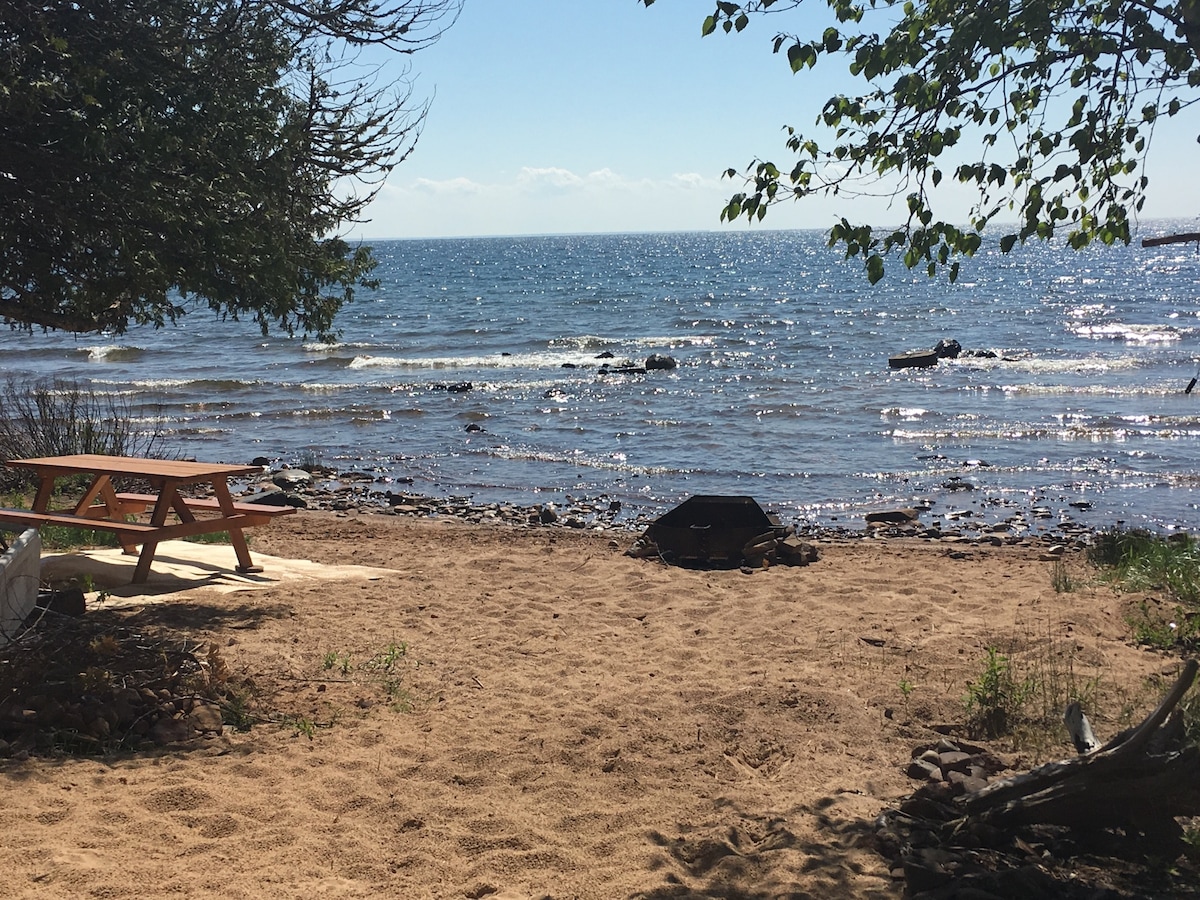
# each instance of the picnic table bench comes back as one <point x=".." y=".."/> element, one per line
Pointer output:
<point x="103" y="508"/>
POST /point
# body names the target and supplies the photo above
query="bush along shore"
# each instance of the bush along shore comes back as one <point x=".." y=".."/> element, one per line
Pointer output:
<point x="990" y="520"/>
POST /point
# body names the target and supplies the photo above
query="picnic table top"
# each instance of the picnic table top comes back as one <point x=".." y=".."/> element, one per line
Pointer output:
<point x="134" y="466"/>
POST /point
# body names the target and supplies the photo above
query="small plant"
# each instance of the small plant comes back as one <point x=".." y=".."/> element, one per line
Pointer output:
<point x="994" y="701"/>
<point x="301" y="725"/>
<point x="95" y="680"/>
<point x="387" y="659"/>
<point x="399" y="698"/>
<point x="61" y="537"/>
<point x="236" y="709"/>
<point x="1189" y="711"/>
<point x="1178" y="631"/>
<point x="906" y="689"/>
<point x="105" y="645"/>
<point x="1191" y="843"/>
<point x="1061" y="578"/>
<point x="340" y="661"/>
<point x="212" y="537"/>
<point x="385" y="670"/>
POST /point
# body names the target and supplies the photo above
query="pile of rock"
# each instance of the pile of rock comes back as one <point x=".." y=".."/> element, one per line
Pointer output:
<point x="86" y="685"/>
<point x="359" y="492"/>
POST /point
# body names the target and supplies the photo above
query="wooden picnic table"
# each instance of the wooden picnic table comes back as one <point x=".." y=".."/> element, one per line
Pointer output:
<point x="102" y="507"/>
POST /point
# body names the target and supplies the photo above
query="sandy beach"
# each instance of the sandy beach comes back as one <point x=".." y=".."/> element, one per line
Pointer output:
<point x="529" y="713"/>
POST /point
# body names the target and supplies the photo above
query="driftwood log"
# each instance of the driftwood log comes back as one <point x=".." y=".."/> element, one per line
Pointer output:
<point x="1185" y="238"/>
<point x="1142" y="779"/>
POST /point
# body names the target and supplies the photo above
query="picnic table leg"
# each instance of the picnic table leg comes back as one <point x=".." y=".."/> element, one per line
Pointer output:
<point x="245" y="564"/>
<point x="96" y="488"/>
<point x="102" y="487"/>
<point x="41" y="500"/>
<point x="162" y="506"/>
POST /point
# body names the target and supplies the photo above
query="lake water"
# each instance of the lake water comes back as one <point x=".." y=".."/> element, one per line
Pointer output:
<point x="782" y="391"/>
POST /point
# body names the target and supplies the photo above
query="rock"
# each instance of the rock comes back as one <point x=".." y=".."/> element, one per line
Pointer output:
<point x="276" y="498"/>
<point x="126" y="703"/>
<point x="206" y="718"/>
<point x="460" y="387"/>
<point x="954" y="761"/>
<point x="473" y="427"/>
<point x="892" y="517"/>
<point x="660" y="361"/>
<point x="642" y="548"/>
<point x="963" y="783"/>
<point x="548" y="515"/>
<point x="921" y="770"/>
<point x="66" y="602"/>
<point x="169" y="731"/>
<point x="793" y="551"/>
<point x="286" y="478"/>
<point x="948" y="349"/>
<point x="924" y="875"/>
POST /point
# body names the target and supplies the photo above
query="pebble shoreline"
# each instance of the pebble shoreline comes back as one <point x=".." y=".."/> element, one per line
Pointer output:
<point x="998" y="524"/>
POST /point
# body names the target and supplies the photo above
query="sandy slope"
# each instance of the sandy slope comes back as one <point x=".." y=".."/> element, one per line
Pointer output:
<point x="565" y="721"/>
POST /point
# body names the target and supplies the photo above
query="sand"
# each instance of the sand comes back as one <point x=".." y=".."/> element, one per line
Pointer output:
<point x="519" y="713"/>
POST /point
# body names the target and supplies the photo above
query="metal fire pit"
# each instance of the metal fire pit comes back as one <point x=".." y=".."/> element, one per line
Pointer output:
<point x="710" y="530"/>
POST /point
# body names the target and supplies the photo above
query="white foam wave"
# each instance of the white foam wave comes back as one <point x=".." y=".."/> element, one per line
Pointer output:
<point x="908" y="413"/>
<point x="111" y="351"/>
<point x="539" y="360"/>
<point x="328" y="347"/>
<point x="319" y="387"/>
<point x="160" y="383"/>
<point x="1078" y="366"/>
<point x="616" y="462"/>
<point x="1130" y="334"/>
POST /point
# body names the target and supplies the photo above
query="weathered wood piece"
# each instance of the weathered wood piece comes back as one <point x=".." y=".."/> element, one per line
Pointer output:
<point x="1141" y="779"/>
<point x="1080" y="729"/>
<point x="1185" y="238"/>
<point x="910" y="359"/>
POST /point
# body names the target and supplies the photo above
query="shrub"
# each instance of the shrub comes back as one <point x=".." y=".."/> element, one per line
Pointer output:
<point x="994" y="702"/>
<point x="54" y="417"/>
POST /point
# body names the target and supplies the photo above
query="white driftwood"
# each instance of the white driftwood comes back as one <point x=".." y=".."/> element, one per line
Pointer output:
<point x="1080" y="729"/>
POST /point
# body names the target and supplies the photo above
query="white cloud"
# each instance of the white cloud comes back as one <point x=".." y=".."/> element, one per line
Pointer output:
<point x="555" y="200"/>
<point x="530" y="178"/>
<point x="450" y="186"/>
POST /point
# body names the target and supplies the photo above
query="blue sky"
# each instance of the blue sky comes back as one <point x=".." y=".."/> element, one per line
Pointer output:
<point x="582" y="116"/>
